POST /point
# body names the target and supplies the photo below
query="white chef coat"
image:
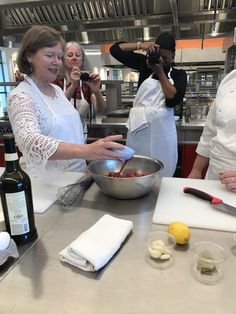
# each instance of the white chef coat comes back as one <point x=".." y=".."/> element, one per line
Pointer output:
<point x="154" y="134"/>
<point x="218" y="140"/>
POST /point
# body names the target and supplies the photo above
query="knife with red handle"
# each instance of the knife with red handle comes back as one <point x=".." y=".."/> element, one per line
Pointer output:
<point x="214" y="201"/>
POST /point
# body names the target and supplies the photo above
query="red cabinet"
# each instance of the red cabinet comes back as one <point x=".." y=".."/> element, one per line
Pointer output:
<point x="188" y="158"/>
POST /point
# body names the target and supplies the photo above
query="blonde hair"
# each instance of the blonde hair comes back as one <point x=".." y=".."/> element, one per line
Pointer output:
<point x="35" y="38"/>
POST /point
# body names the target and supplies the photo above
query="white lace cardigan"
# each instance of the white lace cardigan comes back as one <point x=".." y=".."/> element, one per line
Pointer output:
<point x="31" y="122"/>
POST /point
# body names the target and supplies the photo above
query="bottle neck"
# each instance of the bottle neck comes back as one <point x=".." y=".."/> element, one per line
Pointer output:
<point x="11" y="157"/>
<point x="11" y="162"/>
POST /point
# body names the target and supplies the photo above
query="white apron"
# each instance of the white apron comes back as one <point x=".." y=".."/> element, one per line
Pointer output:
<point x="82" y="106"/>
<point x="66" y="127"/>
<point x="151" y="125"/>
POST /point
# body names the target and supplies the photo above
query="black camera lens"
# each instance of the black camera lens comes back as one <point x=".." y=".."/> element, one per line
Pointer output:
<point x="85" y="76"/>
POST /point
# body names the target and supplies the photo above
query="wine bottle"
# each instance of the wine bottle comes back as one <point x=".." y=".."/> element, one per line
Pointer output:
<point x="16" y="196"/>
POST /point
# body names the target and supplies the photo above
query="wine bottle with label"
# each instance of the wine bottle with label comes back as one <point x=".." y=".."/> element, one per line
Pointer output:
<point x="16" y="196"/>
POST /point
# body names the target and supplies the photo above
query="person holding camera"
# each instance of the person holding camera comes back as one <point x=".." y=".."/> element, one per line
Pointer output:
<point x="47" y="128"/>
<point x="80" y="86"/>
<point x="151" y="124"/>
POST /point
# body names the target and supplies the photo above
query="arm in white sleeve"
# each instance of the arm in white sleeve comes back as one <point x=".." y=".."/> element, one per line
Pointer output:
<point x="28" y="122"/>
<point x="209" y="131"/>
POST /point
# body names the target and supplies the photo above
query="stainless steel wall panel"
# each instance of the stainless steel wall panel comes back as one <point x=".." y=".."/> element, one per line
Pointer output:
<point x="189" y="17"/>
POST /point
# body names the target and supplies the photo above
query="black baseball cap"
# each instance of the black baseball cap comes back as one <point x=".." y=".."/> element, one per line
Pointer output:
<point x="166" y="41"/>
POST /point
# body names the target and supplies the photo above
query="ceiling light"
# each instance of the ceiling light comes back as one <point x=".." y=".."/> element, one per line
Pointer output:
<point x="92" y="52"/>
<point x="85" y="37"/>
<point x="146" y="34"/>
<point x="64" y="28"/>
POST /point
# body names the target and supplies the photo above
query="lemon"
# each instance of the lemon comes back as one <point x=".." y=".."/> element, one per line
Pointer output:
<point x="180" y="231"/>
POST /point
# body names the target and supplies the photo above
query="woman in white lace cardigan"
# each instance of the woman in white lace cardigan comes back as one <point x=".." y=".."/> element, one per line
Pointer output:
<point x="47" y="128"/>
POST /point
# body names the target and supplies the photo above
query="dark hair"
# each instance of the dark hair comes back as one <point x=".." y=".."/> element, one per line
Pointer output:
<point x="35" y="38"/>
<point x="166" y="41"/>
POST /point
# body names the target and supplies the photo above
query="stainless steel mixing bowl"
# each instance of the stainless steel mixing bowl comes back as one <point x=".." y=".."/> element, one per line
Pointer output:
<point x="126" y="188"/>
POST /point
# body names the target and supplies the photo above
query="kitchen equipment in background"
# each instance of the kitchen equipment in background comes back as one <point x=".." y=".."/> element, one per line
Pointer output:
<point x="126" y="188"/>
<point x="214" y="201"/>
<point x="173" y="205"/>
<point x="71" y="193"/>
<point x="196" y="109"/>
<point x="119" y="115"/>
<point x="113" y="93"/>
<point x="120" y="112"/>
<point x="230" y="60"/>
<point x="198" y="112"/>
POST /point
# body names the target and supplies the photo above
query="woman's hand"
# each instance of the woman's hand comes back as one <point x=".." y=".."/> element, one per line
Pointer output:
<point x="156" y="68"/>
<point x="94" y="83"/>
<point x="75" y="76"/>
<point x="149" y="46"/>
<point x="102" y="149"/>
<point x="228" y="178"/>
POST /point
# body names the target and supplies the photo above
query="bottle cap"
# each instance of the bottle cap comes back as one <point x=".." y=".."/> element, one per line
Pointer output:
<point x="9" y="143"/>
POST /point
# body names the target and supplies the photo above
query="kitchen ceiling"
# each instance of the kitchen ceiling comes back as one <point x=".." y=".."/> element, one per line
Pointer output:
<point x="106" y="21"/>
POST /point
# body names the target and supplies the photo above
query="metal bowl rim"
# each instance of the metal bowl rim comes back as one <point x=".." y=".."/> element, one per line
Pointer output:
<point x="157" y="161"/>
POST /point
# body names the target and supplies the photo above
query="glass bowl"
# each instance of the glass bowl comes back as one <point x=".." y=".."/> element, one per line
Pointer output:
<point x="159" y="253"/>
<point x="207" y="265"/>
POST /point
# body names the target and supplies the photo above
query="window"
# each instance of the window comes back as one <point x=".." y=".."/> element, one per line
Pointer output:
<point x="4" y="90"/>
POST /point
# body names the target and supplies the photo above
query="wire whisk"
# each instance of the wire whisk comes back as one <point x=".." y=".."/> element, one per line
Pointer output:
<point x="71" y="193"/>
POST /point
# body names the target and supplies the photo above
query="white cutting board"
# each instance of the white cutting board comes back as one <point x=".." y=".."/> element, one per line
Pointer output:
<point x="44" y="194"/>
<point x="173" y="204"/>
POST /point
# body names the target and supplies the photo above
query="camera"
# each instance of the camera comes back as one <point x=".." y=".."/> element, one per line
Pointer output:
<point x="153" y="57"/>
<point x="85" y="76"/>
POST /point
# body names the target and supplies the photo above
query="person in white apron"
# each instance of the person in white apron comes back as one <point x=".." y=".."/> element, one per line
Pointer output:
<point x="81" y="105"/>
<point x="217" y="146"/>
<point x="151" y="123"/>
<point x="84" y="95"/>
<point x="47" y="128"/>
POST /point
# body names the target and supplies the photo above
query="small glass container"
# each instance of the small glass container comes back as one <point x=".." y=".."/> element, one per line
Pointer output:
<point x="159" y="253"/>
<point x="127" y="153"/>
<point x="207" y="264"/>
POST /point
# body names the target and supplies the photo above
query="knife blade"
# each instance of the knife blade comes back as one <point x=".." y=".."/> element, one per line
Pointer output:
<point x="214" y="201"/>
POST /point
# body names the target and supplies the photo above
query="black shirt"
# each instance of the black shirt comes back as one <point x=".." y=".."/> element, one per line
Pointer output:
<point x="137" y="61"/>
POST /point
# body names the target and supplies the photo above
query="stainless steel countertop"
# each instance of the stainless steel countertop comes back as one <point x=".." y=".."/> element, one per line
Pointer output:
<point x="40" y="283"/>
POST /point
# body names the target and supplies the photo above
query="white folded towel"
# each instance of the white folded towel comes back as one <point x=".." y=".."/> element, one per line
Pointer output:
<point x="96" y="246"/>
<point x="137" y="120"/>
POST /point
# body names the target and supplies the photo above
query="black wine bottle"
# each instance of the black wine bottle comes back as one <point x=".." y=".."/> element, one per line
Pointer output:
<point x="16" y="196"/>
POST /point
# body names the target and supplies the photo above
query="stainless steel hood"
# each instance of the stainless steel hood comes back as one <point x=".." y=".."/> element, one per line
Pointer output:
<point x="106" y="21"/>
